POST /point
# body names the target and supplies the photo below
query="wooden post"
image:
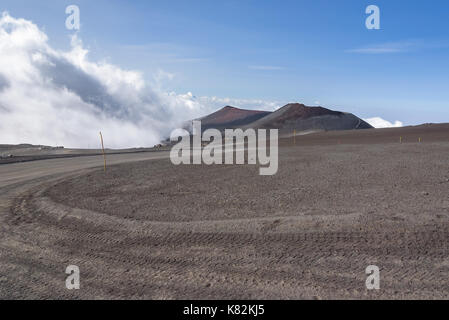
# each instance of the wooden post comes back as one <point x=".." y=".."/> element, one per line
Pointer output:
<point x="294" y="136"/>
<point x="102" y="148"/>
<point x="400" y="139"/>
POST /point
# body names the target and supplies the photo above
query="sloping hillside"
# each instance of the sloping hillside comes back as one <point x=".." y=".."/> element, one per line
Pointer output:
<point x="231" y="117"/>
<point x="303" y="118"/>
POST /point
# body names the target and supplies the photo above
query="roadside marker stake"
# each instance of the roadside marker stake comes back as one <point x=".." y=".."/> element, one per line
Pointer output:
<point x="102" y="148"/>
<point x="400" y="139"/>
<point x="419" y="139"/>
<point x="294" y="136"/>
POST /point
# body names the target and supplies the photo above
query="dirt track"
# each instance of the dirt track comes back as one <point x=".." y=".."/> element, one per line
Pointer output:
<point x="153" y="230"/>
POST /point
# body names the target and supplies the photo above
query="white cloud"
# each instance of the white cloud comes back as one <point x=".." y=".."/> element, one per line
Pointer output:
<point x="254" y="104"/>
<point x="376" y="50"/>
<point x="389" y="47"/>
<point x="378" y="122"/>
<point x="53" y="97"/>
<point x="266" y="68"/>
<point x="400" y="46"/>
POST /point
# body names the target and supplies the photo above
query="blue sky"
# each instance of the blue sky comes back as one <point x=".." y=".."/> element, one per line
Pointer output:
<point x="306" y="51"/>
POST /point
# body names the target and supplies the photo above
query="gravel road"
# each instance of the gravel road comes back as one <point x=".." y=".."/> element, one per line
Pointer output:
<point x="152" y="230"/>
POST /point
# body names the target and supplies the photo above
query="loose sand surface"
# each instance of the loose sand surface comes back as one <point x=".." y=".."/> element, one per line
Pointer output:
<point x="152" y="230"/>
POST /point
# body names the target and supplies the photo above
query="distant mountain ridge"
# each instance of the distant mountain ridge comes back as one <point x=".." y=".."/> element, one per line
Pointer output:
<point x="293" y="116"/>
<point x="299" y="117"/>
<point x="231" y="117"/>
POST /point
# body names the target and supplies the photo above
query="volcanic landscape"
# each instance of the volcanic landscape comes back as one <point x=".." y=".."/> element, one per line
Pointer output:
<point x="147" y="229"/>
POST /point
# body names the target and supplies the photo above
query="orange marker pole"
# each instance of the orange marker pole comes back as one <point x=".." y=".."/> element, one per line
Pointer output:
<point x="102" y="148"/>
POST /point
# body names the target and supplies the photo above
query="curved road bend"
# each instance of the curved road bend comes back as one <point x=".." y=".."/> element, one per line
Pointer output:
<point x="17" y="178"/>
<point x="24" y="171"/>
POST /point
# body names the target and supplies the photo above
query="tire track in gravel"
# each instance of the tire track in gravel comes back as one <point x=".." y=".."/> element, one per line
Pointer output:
<point x="302" y="260"/>
<point x="123" y="257"/>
